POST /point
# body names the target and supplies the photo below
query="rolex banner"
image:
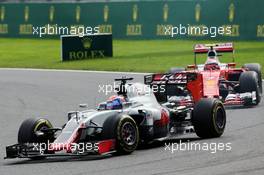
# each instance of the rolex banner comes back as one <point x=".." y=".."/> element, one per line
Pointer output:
<point x="136" y="19"/>
<point x="86" y="47"/>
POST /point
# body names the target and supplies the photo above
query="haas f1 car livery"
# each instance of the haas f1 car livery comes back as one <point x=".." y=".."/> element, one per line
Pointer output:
<point x="233" y="86"/>
<point x="121" y="123"/>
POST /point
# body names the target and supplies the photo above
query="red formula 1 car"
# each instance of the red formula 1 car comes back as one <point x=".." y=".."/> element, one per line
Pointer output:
<point x="233" y="86"/>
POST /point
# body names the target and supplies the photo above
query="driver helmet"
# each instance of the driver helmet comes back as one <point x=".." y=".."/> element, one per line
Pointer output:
<point x="114" y="102"/>
<point x="212" y="57"/>
<point x="212" y="60"/>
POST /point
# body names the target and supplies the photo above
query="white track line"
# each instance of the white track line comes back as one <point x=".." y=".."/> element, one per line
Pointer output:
<point x="78" y="71"/>
<point x="66" y="70"/>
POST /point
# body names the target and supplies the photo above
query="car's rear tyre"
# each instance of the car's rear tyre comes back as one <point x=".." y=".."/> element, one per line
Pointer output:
<point x="174" y="70"/>
<point x="113" y="129"/>
<point x="257" y="68"/>
<point x="248" y="82"/>
<point x="209" y="118"/>
<point x="28" y="128"/>
<point x="127" y="135"/>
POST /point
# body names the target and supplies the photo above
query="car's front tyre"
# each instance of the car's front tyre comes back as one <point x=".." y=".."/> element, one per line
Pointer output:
<point x="29" y="128"/>
<point x="248" y="82"/>
<point x="256" y="67"/>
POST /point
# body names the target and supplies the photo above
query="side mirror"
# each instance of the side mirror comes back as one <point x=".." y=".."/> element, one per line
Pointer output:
<point x="83" y="105"/>
<point x="102" y="106"/>
<point x="71" y="114"/>
<point x="231" y="64"/>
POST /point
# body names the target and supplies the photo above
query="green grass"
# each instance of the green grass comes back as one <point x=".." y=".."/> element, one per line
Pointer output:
<point x="137" y="56"/>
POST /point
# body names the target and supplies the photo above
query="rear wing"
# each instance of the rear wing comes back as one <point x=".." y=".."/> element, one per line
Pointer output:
<point x="158" y="79"/>
<point x="218" y="47"/>
<point x="180" y="78"/>
<point x="167" y="84"/>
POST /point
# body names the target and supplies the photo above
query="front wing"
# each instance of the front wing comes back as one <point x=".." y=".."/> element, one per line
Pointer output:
<point x="30" y="150"/>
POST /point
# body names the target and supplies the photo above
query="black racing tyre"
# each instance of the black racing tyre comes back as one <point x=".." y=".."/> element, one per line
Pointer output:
<point x="127" y="135"/>
<point x="26" y="133"/>
<point x="248" y="82"/>
<point x="110" y="123"/>
<point x="257" y="68"/>
<point x="112" y="129"/>
<point x="209" y="118"/>
<point x="174" y="70"/>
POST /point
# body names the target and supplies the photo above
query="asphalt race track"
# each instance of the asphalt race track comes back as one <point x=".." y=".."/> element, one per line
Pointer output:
<point x="51" y="94"/>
